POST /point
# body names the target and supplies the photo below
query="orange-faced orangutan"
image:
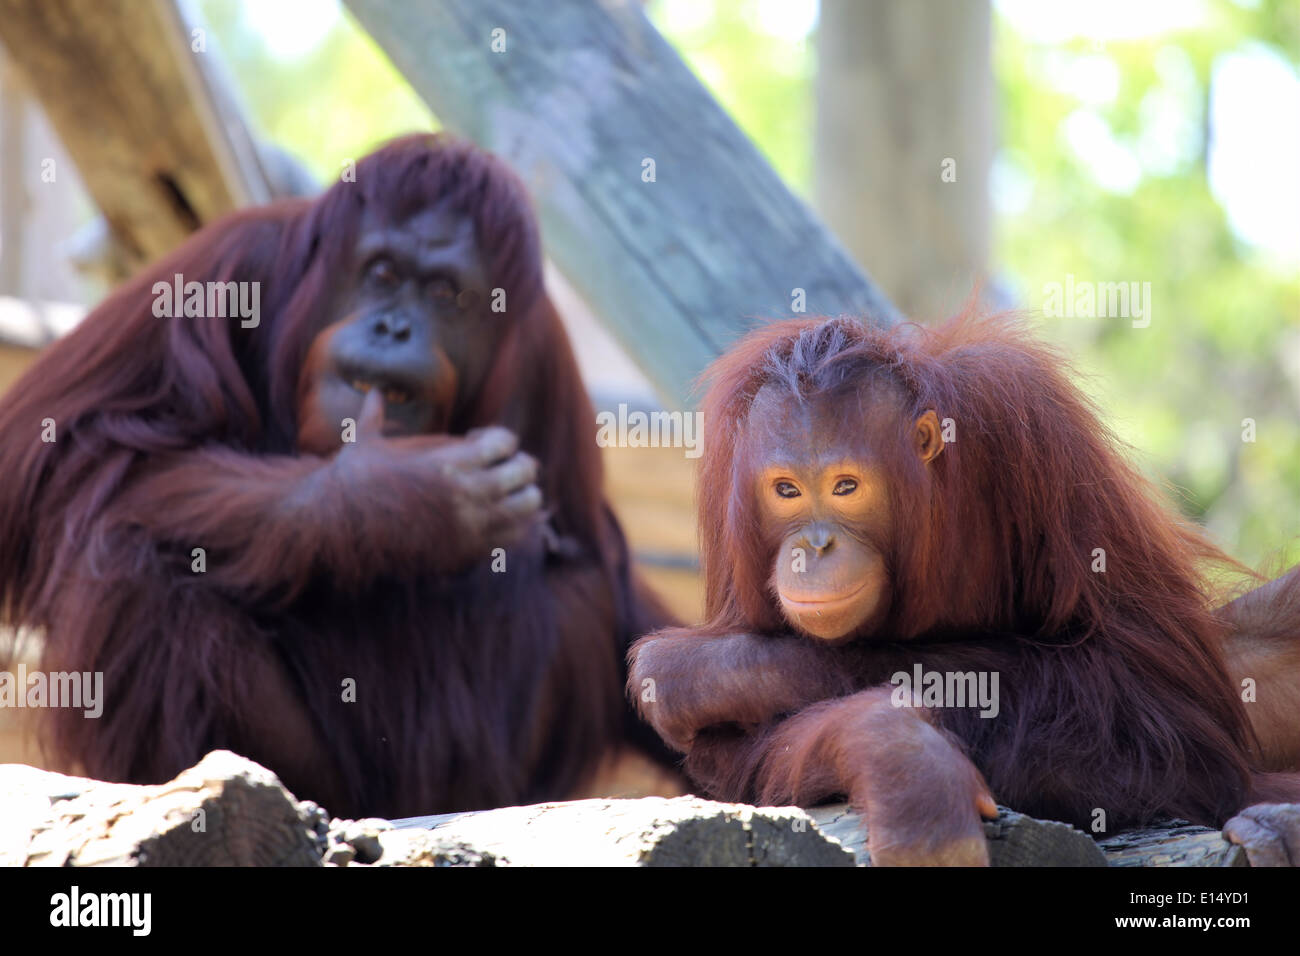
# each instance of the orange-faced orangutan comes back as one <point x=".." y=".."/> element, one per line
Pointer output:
<point x="357" y="533"/>
<point x="933" y="579"/>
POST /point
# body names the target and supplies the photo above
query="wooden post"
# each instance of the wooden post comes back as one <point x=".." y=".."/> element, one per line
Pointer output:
<point x="907" y="146"/>
<point x="657" y="208"/>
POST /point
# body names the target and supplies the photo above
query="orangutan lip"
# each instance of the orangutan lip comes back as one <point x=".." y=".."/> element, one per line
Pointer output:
<point x="392" y="394"/>
<point x="397" y="387"/>
<point x="824" y="603"/>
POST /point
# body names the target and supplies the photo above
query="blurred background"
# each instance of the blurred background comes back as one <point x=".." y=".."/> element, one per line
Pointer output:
<point x="1100" y="141"/>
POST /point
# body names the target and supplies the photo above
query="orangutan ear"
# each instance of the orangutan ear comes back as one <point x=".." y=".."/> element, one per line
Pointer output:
<point x="929" y="437"/>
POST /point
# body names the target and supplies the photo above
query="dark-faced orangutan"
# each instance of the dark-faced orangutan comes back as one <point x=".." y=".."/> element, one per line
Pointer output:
<point x="356" y="531"/>
<point x="933" y="579"/>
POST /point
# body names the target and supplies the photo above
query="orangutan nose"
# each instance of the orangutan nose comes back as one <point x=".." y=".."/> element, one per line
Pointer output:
<point x="390" y="327"/>
<point x="819" y="538"/>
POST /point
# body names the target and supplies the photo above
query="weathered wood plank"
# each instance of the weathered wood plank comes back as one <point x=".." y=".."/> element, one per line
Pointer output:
<point x="577" y="96"/>
<point x="156" y="145"/>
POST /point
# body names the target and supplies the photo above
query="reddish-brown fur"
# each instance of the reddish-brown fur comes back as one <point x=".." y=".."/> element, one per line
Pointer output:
<point x="1263" y="645"/>
<point x="1114" y="693"/>
<point x="474" y="689"/>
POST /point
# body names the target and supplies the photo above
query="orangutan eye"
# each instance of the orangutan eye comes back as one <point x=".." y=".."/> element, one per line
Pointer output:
<point x="382" y="272"/>
<point x="785" y="489"/>
<point x="845" y="486"/>
<point x="443" y="290"/>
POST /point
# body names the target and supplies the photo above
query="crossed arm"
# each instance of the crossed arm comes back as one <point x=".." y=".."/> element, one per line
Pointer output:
<point x="721" y="699"/>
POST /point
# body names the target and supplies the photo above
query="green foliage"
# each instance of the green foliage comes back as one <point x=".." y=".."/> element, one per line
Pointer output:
<point x="1224" y="340"/>
<point x="1225" y="327"/>
<point x="335" y="102"/>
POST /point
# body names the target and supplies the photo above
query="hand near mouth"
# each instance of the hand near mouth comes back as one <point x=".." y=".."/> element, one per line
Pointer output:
<point x="479" y="489"/>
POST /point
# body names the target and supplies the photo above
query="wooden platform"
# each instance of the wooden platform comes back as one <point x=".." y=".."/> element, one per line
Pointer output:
<point x="652" y="490"/>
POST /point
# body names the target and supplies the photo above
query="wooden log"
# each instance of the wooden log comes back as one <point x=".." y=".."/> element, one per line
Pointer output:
<point x="1177" y="843"/>
<point x="224" y="811"/>
<point x="1018" y="840"/>
<point x="652" y="831"/>
<point x="1014" y="839"/>
<point x="586" y="101"/>
<point x="227" y="811"/>
<point x="157" y="144"/>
